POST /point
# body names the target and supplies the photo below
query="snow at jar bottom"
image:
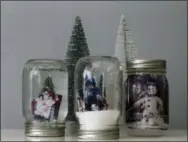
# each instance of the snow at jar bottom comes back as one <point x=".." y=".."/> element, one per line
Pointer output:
<point x="95" y="120"/>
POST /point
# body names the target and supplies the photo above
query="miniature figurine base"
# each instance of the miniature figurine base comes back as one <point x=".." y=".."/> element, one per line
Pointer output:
<point x="44" y="130"/>
<point x="109" y="134"/>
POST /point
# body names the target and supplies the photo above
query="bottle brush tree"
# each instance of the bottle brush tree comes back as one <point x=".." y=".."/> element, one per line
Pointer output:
<point x="77" y="49"/>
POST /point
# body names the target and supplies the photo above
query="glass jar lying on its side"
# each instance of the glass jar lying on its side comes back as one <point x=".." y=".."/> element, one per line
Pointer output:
<point x="45" y="98"/>
<point x="97" y="91"/>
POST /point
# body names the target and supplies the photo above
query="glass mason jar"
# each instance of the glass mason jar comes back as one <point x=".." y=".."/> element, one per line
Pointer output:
<point x="97" y="93"/>
<point x="45" y="98"/>
<point x="147" y="98"/>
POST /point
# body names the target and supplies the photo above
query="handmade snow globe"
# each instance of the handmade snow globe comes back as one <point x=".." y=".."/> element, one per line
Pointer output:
<point x="45" y="98"/>
<point x="147" y="98"/>
<point x="97" y="93"/>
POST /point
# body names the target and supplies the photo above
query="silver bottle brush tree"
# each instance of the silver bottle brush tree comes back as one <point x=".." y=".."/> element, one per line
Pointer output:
<point x="125" y="49"/>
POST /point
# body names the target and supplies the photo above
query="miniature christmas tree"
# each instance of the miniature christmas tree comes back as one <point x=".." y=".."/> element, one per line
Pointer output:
<point x="77" y="48"/>
<point x="130" y="47"/>
<point x="125" y="49"/>
<point x="48" y="85"/>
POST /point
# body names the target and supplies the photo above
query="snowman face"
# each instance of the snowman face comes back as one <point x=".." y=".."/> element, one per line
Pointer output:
<point x="136" y="88"/>
<point x="152" y="89"/>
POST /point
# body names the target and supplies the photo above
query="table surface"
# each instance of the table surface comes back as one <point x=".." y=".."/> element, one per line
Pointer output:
<point x="18" y="135"/>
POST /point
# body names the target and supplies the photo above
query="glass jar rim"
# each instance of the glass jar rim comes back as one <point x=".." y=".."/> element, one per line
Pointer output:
<point x="99" y="57"/>
<point x="44" y="60"/>
<point x="45" y="64"/>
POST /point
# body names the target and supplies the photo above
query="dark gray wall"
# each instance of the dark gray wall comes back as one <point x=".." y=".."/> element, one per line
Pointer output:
<point x="42" y="30"/>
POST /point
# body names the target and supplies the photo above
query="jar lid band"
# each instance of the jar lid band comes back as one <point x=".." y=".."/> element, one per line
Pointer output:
<point x="146" y="64"/>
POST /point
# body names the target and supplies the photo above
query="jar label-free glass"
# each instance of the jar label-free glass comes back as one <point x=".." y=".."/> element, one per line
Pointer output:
<point x="147" y="101"/>
<point x="45" y="107"/>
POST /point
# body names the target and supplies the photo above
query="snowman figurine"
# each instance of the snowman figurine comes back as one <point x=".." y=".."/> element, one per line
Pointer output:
<point x="152" y="106"/>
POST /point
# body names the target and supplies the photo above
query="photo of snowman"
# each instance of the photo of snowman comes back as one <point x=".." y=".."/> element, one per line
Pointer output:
<point x="45" y="106"/>
<point x="151" y="106"/>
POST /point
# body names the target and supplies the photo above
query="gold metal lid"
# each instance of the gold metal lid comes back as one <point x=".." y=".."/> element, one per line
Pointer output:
<point x="146" y="64"/>
<point x="107" y="134"/>
<point x="44" y="130"/>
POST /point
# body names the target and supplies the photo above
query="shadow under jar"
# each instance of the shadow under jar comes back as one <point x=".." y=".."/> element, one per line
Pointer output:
<point x="147" y="98"/>
<point x="97" y="93"/>
<point x="44" y="97"/>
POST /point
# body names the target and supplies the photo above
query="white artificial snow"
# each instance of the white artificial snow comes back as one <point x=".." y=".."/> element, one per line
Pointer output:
<point x="95" y="120"/>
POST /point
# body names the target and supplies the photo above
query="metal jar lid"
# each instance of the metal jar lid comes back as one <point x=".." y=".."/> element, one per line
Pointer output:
<point x="106" y="134"/>
<point x="142" y="64"/>
<point x="44" y="129"/>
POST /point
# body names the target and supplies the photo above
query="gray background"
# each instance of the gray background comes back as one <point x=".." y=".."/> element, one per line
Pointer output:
<point x="43" y="29"/>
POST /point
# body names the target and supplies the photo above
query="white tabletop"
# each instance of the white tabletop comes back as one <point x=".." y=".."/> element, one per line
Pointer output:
<point x="171" y="135"/>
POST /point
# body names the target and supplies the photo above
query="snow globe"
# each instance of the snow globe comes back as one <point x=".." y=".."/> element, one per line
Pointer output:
<point x="44" y="97"/>
<point x="97" y="97"/>
<point x="147" y="98"/>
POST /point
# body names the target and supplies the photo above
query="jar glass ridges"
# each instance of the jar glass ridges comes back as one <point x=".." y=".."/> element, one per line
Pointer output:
<point x="147" y="103"/>
<point x="45" y="98"/>
<point x="97" y="91"/>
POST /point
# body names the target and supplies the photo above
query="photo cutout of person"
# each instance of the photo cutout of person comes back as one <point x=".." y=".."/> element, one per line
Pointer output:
<point x="45" y="106"/>
<point x="137" y="90"/>
<point x="93" y="99"/>
<point x="38" y="105"/>
<point x="92" y="96"/>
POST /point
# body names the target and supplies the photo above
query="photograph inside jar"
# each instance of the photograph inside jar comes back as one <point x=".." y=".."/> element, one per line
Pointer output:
<point x="147" y="97"/>
<point x="50" y="98"/>
<point x="45" y="106"/>
<point x="93" y="96"/>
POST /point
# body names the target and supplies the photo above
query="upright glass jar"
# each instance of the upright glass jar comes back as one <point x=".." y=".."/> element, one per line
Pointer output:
<point x="147" y="103"/>
<point x="97" y="91"/>
<point x="45" y="98"/>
